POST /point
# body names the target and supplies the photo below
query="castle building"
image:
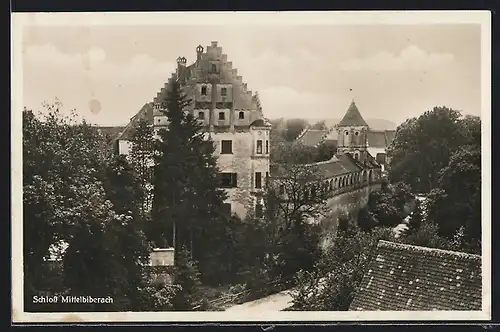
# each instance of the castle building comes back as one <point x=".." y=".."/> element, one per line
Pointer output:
<point x="231" y="115"/>
<point x="352" y="134"/>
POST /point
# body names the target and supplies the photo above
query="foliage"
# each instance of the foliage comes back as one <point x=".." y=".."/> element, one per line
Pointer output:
<point x="141" y="157"/>
<point x="423" y="146"/>
<point x="325" y="151"/>
<point x="457" y="201"/>
<point x="337" y="276"/>
<point x="187" y="277"/>
<point x="387" y="207"/>
<point x="185" y="182"/>
<point x="77" y="193"/>
<point x="294" y="127"/>
<point x="320" y="125"/>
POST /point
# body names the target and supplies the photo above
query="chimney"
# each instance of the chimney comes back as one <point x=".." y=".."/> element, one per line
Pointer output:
<point x="181" y="65"/>
<point x="199" y="51"/>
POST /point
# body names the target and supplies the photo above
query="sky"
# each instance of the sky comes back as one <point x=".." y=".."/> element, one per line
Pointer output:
<point x="393" y="72"/>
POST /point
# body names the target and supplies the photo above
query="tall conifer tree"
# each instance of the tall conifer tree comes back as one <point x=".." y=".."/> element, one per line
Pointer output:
<point x="187" y="200"/>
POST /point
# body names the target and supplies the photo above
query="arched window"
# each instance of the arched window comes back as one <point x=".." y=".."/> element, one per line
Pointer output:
<point x="214" y="68"/>
<point x="204" y="90"/>
<point x="241" y="115"/>
<point x="356" y="133"/>
<point x="201" y="115"/>
<point x="346" y="132"/>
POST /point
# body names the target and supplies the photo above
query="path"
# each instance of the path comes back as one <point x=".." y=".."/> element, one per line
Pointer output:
<point x="275" y="302"/>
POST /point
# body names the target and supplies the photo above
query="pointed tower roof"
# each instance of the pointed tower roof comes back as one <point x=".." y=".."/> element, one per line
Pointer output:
<point x="352" y="117"/>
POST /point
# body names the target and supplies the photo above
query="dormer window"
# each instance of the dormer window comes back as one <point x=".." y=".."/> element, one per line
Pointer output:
<point x="223" y="91"/>
<point x="241" y="115"/>
<point x="201" y="116"/>
<point x="222" y="116"/>
<point x="204" y="90"/>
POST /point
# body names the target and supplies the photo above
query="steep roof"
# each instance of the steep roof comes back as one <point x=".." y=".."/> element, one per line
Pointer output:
<point x="352" y="117"/>
<point x="110" y="131"/>
<point x="312" y="137"/>
<point x="406" y="277"/>
<point x="146" y="112"/>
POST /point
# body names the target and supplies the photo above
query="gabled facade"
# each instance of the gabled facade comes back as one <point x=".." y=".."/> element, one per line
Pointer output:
<point x="232" y="116"/>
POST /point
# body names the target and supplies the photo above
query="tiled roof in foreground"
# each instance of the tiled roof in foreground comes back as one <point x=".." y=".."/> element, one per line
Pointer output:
<point x="404" y="277"/>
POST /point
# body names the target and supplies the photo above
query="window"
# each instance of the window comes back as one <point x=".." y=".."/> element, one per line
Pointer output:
<point x="356" y="133"/>
<point x="258" y="180"/>
<point x="267" y="179"/>
<point x="201" y="116"/>
<point x="228" y="180"/>
<point x="226" y="147"/>
<point x="259" y="146"/>
<point x="214" y="68"/>
<point x="241" y="115"/>
<point x="259" y="210"/>
<point x="282" y="190"/>
<point x="267" y="147"/>
<point x="223" y="91"/>
<point x="226" y="209"/>
<point x="222" y="116"/>
<point x="204" y="90"/>
<point x="346" y="132"/>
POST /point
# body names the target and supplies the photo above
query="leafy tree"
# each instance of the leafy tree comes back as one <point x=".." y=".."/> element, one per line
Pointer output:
<point x="457" y="200"/>
<point x="186" y="183"/>
<point x="294" y="127"/>
<point x="186" y="276"/>
<point x="423" y="146"/>
<point x="325" y="151"/>
<point x="337" y="276"/>
<point x="320" y="125"/>
<point x="141" y="157"/>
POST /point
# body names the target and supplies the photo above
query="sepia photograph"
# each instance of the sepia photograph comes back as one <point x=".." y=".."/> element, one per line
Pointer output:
<point x="244" y="166"/>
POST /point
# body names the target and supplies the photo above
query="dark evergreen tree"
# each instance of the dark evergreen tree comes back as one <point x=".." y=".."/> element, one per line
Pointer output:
<point x="187" y="278"/>
<point x="187" y="202"/>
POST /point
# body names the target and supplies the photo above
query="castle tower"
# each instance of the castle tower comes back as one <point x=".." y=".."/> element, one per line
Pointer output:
<point x="352" y="134"/>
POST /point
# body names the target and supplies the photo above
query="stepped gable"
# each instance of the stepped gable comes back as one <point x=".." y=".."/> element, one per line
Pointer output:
<point x="403" y="277"/>
<point x="146" y="112"/>
<point x="352" y="118"/>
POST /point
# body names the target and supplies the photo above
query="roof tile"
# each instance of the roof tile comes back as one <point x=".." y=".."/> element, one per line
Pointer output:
<point x="405" y="277"/>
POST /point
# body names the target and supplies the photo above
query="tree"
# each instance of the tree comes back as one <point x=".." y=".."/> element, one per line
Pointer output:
<point x="294" y="127"/>
<point x="320" y="125"/>
<point x="424" y="145"/>
<point x="186" y="276"/>
<point x="187" y="201"/>
<point x="457" y="200"/>
<point x="60" y="183"/>
<point x="339" y="273"/>
<point x="325" y="151"/>
<point x="141" y="157"/>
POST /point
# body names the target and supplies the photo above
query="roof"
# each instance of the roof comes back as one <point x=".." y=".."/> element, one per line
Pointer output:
<point x="260" y="123"/>
<point x="352" y="117"/>
<point x="312" y="137"/>
<point x="339" y="164"/>
<point x="146" y="112"/>
<point x="406" y="277"/>
<point x="112" y="132"/>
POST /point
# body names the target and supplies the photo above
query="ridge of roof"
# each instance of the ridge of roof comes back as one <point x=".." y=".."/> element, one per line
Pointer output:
<point x="352" y="117"/>
<point x="436" y="251"/>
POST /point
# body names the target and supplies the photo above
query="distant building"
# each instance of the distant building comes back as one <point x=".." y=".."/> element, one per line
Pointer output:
<point x="230" y="114"/>
<point x="403" y="277"/>
<point x="375" y="142"/>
